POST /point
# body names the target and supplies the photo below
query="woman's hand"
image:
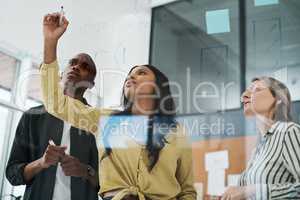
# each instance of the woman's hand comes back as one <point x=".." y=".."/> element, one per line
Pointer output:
<point x="238" y="193"/>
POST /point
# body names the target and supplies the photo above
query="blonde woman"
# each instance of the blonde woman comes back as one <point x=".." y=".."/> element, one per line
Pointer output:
<point x="273" y="172"/>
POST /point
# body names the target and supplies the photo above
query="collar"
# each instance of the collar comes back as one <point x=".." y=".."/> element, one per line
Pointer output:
<point x="273" y="128"/>
<point x="85" y="101"/>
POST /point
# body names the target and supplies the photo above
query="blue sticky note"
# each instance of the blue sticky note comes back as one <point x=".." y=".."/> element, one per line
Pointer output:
<point x="117" y="131"/>
<point x="217" y="21"/>
<point x="265" y="2"/>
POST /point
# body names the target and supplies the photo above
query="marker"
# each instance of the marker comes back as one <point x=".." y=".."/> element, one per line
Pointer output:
<point x="52" y="143"/>
<point x="62" y="13"/>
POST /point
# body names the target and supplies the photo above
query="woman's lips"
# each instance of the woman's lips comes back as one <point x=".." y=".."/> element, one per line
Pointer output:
<point x="247" y="103"/>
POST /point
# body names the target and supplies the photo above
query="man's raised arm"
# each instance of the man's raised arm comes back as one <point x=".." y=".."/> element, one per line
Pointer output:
<point x="52" y="30"/>
<point x="55" y="101"/>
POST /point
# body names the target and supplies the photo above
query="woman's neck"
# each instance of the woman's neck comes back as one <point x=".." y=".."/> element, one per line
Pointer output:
<point x="264" y="123"/>
<point x="143" y="106"/>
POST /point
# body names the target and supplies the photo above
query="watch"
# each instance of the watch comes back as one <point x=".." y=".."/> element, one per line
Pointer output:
<point x="90" y="171"/>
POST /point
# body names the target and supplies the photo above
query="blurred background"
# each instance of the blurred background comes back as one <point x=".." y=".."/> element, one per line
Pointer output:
<point x="210" y="50"/>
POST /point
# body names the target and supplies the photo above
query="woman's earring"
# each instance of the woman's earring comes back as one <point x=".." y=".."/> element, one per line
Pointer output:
<point x="278" y="102"/>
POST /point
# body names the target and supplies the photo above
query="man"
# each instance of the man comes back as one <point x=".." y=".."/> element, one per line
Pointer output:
<point x="54" y="160"/>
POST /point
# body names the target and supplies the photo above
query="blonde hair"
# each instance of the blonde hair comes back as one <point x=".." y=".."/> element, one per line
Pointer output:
<point x="282" y="110"/>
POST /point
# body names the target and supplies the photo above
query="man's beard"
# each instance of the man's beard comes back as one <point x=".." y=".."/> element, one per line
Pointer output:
<point x="70" y="87"/>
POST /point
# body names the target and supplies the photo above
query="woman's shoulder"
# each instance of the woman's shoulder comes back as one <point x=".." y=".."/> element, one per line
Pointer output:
<point x="285" y="126"/>
<point x="293" y="127"/>
<point x="108" y="111"/>
<point x="289" y="129"/>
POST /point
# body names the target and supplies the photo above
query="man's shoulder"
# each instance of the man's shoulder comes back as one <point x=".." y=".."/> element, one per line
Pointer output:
<point x="37" y="110"/>
<point x="40" y="112"/>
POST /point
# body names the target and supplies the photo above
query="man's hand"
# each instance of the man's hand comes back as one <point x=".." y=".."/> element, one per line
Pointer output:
<point x="52" y="32"/>
<point x="72" y="166"/>
<point x="52" y="156"/>
<point x="51" y="27"/>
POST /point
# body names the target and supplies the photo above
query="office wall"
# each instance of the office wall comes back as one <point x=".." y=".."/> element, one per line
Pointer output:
<point x="115" y="33"/>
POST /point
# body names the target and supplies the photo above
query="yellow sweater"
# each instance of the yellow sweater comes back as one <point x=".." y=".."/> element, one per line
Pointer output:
<point x="125" y="169"/>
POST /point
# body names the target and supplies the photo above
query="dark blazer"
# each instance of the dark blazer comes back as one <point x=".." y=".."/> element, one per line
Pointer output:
<point x="35" y="129"/>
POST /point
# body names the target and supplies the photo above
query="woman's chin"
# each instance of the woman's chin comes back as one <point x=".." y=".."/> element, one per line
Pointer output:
<point x="248" y="112"/>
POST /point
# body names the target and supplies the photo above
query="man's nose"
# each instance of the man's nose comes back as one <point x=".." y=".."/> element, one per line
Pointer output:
<point x="75" y="67"/>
